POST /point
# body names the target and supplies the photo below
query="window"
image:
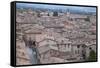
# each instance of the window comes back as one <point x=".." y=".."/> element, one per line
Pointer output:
<point x="75" y="51"/>
<point x="90" y="48"/>
<point x="23" y="54"/>
<point x="78" y="46"/>
<point x="68" y="45"/>
<point x="78" y="51"/>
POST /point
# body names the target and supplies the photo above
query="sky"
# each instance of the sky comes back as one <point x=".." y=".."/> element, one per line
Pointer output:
<point x="91" y="9"/>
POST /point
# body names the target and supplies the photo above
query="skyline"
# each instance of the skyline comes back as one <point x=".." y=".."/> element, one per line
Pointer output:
<point x="64" y="7"/>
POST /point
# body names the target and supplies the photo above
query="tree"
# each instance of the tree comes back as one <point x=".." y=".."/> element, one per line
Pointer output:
<point x="38" y="15"/>
<point x="48" y="14"/>
<point x="87" y="19"/>
<point x="55" y="14"/>
<point x="92" y="56"/>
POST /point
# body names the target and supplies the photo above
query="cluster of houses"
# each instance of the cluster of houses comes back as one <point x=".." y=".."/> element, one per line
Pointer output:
<point x="63" y="38"/>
